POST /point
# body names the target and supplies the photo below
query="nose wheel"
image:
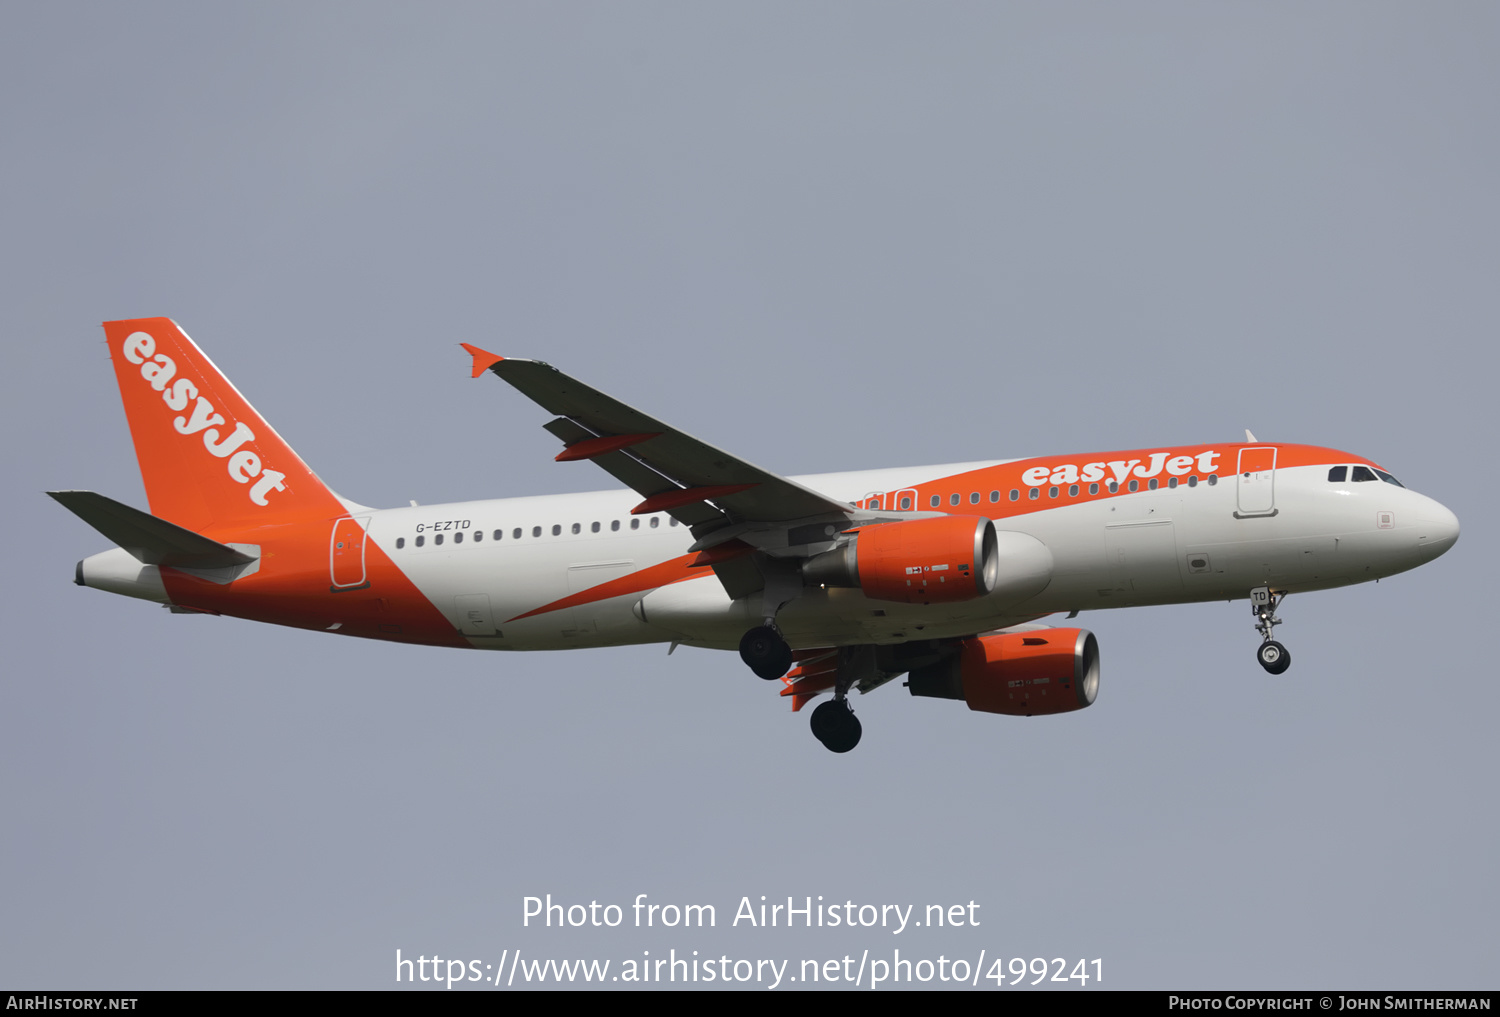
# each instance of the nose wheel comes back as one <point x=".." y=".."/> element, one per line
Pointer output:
<point x="1272" y="655"/>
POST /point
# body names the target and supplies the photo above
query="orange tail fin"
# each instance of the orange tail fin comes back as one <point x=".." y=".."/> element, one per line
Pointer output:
<point x="208" y="459"/>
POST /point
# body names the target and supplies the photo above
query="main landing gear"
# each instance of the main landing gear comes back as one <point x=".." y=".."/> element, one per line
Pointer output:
<point x="762" y="648"/>
<point x="835" y="725"/>
<point x="1272" y="655"/>
<point x="833" y="722"/>
<point x="765" y="652"/>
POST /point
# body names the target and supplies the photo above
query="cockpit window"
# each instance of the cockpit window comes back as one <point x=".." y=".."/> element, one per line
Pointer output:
<point x="1338" y="474"/>
<point x="1364" y="473"/>
<point x="1388" y="478"/>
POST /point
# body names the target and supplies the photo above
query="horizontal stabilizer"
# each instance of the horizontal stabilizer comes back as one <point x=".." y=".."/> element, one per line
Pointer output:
<point x="150" y="540"/>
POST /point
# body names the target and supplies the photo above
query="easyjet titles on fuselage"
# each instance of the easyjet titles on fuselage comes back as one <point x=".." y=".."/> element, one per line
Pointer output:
<point x="1070" y="473"/>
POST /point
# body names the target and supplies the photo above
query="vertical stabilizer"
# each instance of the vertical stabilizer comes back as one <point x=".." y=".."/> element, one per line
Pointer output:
<point x="207" y="458"/>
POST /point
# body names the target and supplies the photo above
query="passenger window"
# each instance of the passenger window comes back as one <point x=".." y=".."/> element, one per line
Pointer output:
<point x="1093" y="489"/>
<point x="1036" y="493"/>
<point x="1362" y="473"/>
<point x="421" y="541"/>
<point x="1052" y="492"/>
<point x="1135" y="485"/>
<point x="1152" y="485"/>
<point x="557" y="529"/>
<point x="593" y="527"/>
<point x="936" y="501"/>
<point x="458" y="538"/>
<point x="1213" y="478"/>
<point x="515" y="534"/>
<point x="614" y="525"/>
<point x="400" y="543"/>
<point x="536" y="531"/>
<point x="1193" y="480"/>
<point x="1072" y="490"/>
<point x="437" y="540"/>
<point x="953" y="499"/>
<point x="905" y="504"/>
<point x="1114" y="487"/>
<point x="655" y="522"/>
<point x="974" y="498"/>
<point x="1172" y="482"/>
<point x="1338" y="474"/>
<point x="635" y="524"/>
<point x="672" y="521"/>
<point x="577" y="528"/>
<point x="994" y="496"/>
<point x="1015" y="495"/>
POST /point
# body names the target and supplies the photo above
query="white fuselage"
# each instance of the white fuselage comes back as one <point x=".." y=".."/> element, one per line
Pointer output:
<point x="1148" y="547"/>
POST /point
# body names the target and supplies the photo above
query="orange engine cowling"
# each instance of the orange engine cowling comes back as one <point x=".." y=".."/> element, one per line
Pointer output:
<point x="1024" y="674"/>
<point x="921" y="561"/>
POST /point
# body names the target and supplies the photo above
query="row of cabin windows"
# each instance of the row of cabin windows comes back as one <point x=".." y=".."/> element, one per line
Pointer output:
<point x="1073" y="489"/>
<point x="937" y="500"/>
<point x="536" y="531"/>
<point x="1361" y="474"/>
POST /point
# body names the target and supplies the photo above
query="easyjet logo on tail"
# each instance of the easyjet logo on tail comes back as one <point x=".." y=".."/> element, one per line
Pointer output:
<point x="243" y="465"/>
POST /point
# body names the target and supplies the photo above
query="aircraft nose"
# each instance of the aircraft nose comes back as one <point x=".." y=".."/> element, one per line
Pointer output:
<point x="1438" y="530"/>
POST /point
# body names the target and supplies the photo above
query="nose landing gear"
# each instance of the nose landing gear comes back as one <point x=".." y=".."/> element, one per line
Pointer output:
<point x="1272" y="655"/>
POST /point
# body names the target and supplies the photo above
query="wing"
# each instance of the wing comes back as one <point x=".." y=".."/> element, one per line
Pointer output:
<point x="718" y="495"/>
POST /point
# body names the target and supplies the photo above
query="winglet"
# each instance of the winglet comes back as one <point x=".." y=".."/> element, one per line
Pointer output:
<point x="483" y="359"/>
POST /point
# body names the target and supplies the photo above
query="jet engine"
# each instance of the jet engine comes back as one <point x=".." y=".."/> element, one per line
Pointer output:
<point x="1024" y="674"/>
<point x="921" y="561"/>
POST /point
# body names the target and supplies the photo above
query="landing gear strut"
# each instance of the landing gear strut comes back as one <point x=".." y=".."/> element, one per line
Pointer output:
<point x="834" y="723"/>
<point x="765" y="652"/>
<point x="762" y="648"/>
<point x="1272" y="655"/>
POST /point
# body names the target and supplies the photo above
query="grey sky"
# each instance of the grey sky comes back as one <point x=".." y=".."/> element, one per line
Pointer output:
<point x="829" y="236"/>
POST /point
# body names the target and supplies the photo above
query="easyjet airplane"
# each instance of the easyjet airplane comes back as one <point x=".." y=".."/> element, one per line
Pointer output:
<point x="829" y="583"/>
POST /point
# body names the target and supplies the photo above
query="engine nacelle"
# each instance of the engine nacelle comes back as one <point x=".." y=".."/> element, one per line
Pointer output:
<point x="1024" y="674"/>
<point x="921" y="561"/>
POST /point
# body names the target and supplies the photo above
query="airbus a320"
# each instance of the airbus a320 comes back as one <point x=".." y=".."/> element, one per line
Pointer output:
<point x="829" y="583"/>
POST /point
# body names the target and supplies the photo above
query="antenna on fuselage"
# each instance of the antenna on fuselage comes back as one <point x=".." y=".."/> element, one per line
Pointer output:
<point x="1252" y="439"/>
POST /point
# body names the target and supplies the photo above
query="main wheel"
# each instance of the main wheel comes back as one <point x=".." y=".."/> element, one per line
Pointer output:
<point x="835" y="725"/>
<point x="765" y="652"/>
<point x="822" y="720"/>
<point x="1273" y="657"/>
